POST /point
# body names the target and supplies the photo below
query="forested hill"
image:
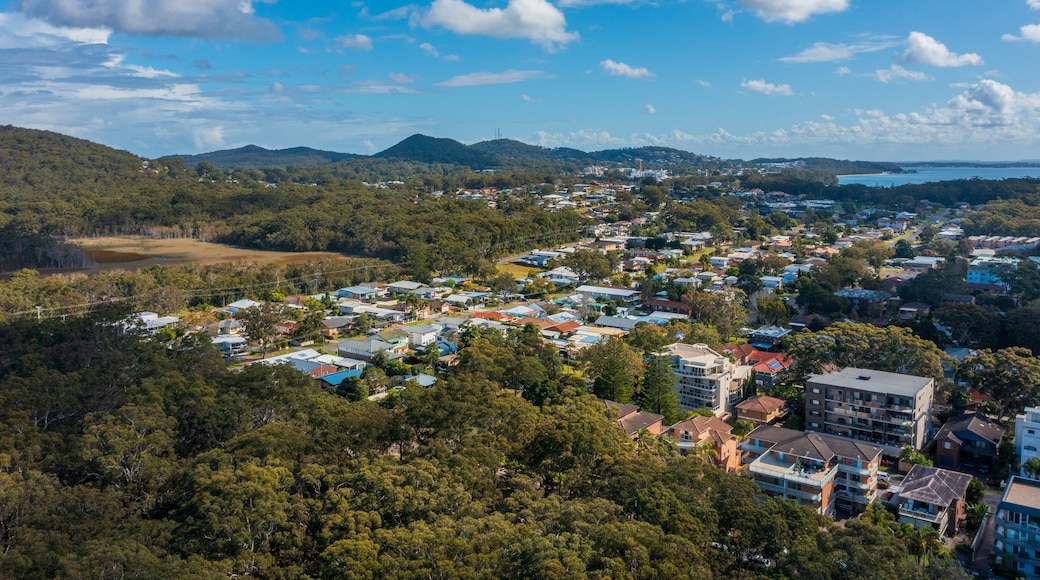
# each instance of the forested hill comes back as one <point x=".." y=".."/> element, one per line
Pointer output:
<point x="34" y="163"/>
<point x="254" y="157"/>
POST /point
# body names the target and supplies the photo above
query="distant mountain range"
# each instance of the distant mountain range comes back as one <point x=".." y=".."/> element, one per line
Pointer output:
<point x="494" y="154"/>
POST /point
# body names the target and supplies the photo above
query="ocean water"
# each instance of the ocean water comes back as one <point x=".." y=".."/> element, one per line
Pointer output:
<point x="930" y="174"/>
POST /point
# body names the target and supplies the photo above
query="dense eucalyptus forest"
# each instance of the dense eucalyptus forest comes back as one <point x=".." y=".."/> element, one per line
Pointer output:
<point x="125" y="457"/>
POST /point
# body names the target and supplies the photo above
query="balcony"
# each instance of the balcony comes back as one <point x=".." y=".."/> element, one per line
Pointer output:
<point x="924" y="515"/>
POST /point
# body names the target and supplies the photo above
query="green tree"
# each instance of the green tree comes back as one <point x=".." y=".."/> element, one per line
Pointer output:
<point x="613" y="367"/>
<point x="657" y="394"/>
<point x="1011" y="376"/>
<point x="1032" y="467"/>
<point x="258" y="323"/>
<point x="592" y="264"/>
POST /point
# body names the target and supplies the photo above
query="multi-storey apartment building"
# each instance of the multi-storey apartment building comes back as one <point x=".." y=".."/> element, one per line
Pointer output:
<point x="821" y="472"/>
<point x="1016" y="539"/>
<point x="887" y="409"/>
<point x="706" y="379"/>
<point x="1027" y="436"/>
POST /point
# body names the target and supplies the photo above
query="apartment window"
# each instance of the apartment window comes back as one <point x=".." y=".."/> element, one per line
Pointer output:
<point x="814" y="425"/>
<point x="816" y="390"/>
<point x="815" y="402"/>
<point x="814" y="413"/>
<point x="947" y="445"/>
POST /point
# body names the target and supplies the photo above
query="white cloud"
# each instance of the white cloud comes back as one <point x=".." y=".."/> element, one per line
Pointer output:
<point x="987" y="115"/>
<point x="703" y="83"/>
<point x="923" y="49"/>
<point x="575" y="3"/>
<point x="843" y="70"/>
<point x="896" y="72"/>
<point x="1030" y="33"/>
<point x="1034" y="4"/>
<point x="401" y="78"/>
<point x="529" y="99"/>
<point x="208" y="137"/>
<point x="651" y="110"/>
<point x="429" y="49"/>
<point x="212" y="19"/>
<point x="487" y="78"/>
<point x="761" y="86"/>
<point x="827" y="52"/>
<point x="620" y="69"/>
<point x="536" y="20"/>
<point x="826" y="117"/>
<point x="356" y="41"/>
<point x="791" y="11"/>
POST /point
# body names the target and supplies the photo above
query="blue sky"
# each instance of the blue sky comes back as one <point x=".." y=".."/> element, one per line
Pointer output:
<point x="863" y="79"/>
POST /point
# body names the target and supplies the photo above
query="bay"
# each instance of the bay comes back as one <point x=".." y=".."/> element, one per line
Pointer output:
<point x="932" y="174"/>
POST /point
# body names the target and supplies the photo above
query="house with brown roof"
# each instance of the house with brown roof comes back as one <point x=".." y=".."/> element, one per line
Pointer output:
<point x="762" y="409"/>
<point x="710" y="432"/>
<point x="931" y="496"/>
<point x="968" y="441"/>
<point x="632" y="420"/>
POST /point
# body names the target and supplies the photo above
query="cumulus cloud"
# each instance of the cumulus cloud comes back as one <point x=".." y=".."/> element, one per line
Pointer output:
<point x="923" y="49"/>
<point x="792" y="11"/>
<point x="536" y="20"/>
<point x="529" y="99"/>
<point x="827" y="52"/>
<point x="1028" y="33"/>
<point x="620" y="69"/>
<point x="843" y="70"/>
<point x="1034" y="4"/>
<point x="356" y="41"/>
<point x="477" y="79"/>
<point x="896" y="72"/>
<point x="575" y="3"/>
<point x="211" y="19"/>
<point x="17" y="31"/>
<point x="703" y="83"/>
<point x="761" y="86"/>
<point x="401" y="78"/>
<point x="651" y="110"/>
<point x="433" y="51"/>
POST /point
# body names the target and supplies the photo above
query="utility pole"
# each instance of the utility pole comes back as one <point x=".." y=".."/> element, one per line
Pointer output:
<point x="39" y="313"/>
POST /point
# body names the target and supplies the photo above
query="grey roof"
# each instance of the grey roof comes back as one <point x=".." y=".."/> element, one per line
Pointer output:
<point x="815" y="445"/>
<point x="876" y="381"/>
<point x="809" y="445"/>
<point x="971" y="426"/>
<point x="934" y="485"/>
<point x="616" y="322"/>
<point x="872" y="295"/>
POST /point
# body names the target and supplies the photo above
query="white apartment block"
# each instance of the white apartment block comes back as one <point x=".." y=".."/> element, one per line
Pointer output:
<point x="706" y="378"/>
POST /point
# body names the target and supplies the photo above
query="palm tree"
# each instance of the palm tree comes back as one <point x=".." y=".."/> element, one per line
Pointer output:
<point x="1032" y="467"/>
<point x="975" y="513"/>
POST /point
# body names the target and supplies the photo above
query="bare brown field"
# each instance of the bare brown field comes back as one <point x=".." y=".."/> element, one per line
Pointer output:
<point x="132" y="252"/>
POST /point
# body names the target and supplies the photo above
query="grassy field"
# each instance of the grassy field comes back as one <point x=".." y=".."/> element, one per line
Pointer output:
<point x="131" y="252"/>
<point x="517" y="270"/>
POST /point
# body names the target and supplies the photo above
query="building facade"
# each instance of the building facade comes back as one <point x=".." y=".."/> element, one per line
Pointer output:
<point x="1016" y="539"/>
<point x="706" y="379"/>
<point x="824" y="473"/>
<point x="882" y="408"/>
<point x="1027" y="436"/>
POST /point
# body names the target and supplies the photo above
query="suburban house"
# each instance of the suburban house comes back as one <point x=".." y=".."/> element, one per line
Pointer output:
<point x="706" y="379"/>
<point x="1027" y="437"/>
<point x="615" y="293"/>
<point x="762" y="409"/>
<point x="673" y="306"/>
<point x="420" y="335"/>
<point x="868" y="303"/>
<point x="888" y="409"/>
<point x="1016" y="539"/>
<point x="365" y="348"/>
<point x="358" y="293"/>
<point x="821" y="472"/>
<point x="711" y="432"/>
<point x="968" y="441"/>
<point x="332" y="326"/>
<point x="913" y="310"/>
<point x="931" y="496"/>
<point x="768" y="337"/>
<point x="240" y="305"/>
<point x="632" y="420"/>
<point x="405" y="287"/>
